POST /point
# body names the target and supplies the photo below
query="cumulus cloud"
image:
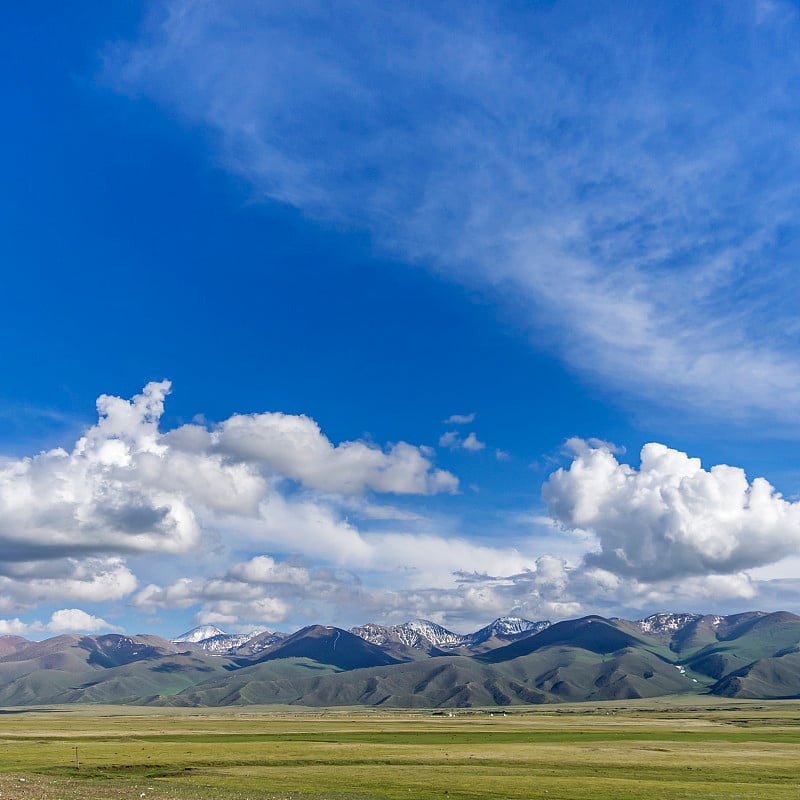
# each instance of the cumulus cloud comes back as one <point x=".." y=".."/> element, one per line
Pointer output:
<point x="454" y="441"/>
<point x="127" y="488"/>
<point x="472" y="443"/>
<point x="14" y="627"/>
<point x="92" y="500"/>
<point x="73" y="522"/>
<point x="671" y="518"/>
<point x="73" y="619"/>
<point x="66" y="620"/>
<point x="69" y="519"/>
<point x="295" y="447"/>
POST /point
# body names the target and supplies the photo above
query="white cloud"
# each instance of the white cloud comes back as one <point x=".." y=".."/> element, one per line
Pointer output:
<point x="127" y="488"/>
<point x="430" y="560"/>
<point x="460" y="419"/>
<point x="294" y="446"/>
<point x="13" y="627"/>
<point x="66" y="620"/>
<point x="551" y="589"/>
<point x="308" y="525"/>
<point x="453" y="440"/>
<point x="449" y="439"/>
<point x="472" y="443"/>
<point x="375" y="572"/>
<point x="546" y="588"/>
<point x="668" y="531"/>
<point x="607" y="208"/>
<point x="73" y="619"/>
<point x="92" y="580"/>
<point x="68" y="520"/>
<point x="238" y="598"/>
<point x="671" y="518"/>
<point x="93" y="500"/>
<point x="264" y="570"/>
<point x="253" y="591"/>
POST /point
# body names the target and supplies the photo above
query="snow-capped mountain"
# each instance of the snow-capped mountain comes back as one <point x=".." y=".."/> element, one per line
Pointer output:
<point x="199" y="634"/>
<point x="374" y="633"/>
<point x="433" y="633"/>
<point x="419" y="634"/>
<point x="422" y="634"/>
<point x="507" y="629"/>
<point x="214" y="640"/>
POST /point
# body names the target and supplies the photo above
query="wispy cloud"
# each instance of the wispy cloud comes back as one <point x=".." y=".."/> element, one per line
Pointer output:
<point x="460" y="419"/>
<point x="634" y="209"/>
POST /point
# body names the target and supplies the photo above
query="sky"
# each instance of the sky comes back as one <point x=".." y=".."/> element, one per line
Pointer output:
<point x="352" y="312"/>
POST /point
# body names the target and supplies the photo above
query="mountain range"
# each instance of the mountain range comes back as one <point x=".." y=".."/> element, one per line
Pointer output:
<point x="415" y="665"/>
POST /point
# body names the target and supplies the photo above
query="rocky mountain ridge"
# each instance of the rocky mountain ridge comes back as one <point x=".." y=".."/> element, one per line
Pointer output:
<point x="418" y="665"/>
<point x="419" y="634"/>
<point x="423" y="634"/>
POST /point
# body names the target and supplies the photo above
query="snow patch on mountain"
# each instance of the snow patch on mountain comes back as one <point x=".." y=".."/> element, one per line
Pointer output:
<point x="373" y="633"/>
<point x="418" y="633"/>
<point x="422" y="633"/>
<point x="665" y="623"/>
<point x="434" y="633"/>
<point x="225" y="642"/>
<point x="262" y="641"/>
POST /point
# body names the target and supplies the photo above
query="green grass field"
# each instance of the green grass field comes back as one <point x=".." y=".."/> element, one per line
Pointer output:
<point x="679" y="749"/>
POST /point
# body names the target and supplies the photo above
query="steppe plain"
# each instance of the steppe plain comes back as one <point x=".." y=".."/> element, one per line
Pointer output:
<point x="690" y="747"/>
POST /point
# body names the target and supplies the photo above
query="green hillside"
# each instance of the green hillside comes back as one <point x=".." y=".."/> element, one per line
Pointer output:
<point x="753" y="655"/>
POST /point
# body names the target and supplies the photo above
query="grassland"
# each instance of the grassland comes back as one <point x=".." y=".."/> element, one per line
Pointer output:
<point x="672" y="749"/>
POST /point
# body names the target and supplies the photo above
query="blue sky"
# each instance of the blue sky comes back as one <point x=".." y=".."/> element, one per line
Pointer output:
<point x="448" y="312"/>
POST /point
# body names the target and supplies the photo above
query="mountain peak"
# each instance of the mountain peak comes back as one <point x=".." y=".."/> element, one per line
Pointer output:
<point x="330" y="645"/>
<point x="507" y="628"/>
<point x="434" y="633"/>
<point x="199" y="633"/>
